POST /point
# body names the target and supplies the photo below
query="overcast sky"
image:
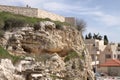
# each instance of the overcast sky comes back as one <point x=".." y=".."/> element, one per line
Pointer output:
<point x="101" y="16"/>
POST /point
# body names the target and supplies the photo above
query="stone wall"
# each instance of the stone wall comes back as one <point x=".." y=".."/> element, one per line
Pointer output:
<point x="52" y="16"/>
<point x="111" y="71"/>
<point x="114" y="71"/>
<point x="32" y="12"/>
<point x="70" y="20"/>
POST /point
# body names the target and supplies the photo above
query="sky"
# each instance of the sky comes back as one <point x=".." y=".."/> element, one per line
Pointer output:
<point x="101" y="16"/>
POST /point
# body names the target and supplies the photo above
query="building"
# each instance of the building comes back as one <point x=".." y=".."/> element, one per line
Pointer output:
<point x="103" y="54"/>
<point x="95" y="47"/>
<point x="111" y="67"/>
<point x="118" y="51"/>
<point x="110" y="52"/>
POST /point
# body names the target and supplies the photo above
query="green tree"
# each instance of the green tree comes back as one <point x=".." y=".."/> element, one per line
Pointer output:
<point x="86" y="37"/>
<point x="90" y="36"/>
<point x="97" y="36"/>
<point x="105" y="40"/>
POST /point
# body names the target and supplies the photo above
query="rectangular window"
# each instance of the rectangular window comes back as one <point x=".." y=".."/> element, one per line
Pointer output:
<point x="93" y="57"/>
<point x="108" y="56"/>
<point x="114" y="56"/>
<point x="118" y="56"/>
<point x="118" y="49"/>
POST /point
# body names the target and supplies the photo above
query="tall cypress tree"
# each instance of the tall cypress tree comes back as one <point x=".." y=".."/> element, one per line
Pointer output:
<point x="86" y="37"/>
<point x="105" y="40"/>
<point x="90" y="36"/>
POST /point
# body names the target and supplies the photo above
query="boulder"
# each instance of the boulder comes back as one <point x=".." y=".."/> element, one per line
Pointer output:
<point x="47" y="24"/>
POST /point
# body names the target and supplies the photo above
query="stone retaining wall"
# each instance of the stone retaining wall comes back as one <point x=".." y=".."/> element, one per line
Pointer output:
<point x="32" y="12"/>
<point x="52" y="16"/>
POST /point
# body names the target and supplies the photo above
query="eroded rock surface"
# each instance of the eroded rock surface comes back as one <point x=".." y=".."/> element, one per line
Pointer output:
<point x="7" y="71"/>
<point x="52" y="44"/>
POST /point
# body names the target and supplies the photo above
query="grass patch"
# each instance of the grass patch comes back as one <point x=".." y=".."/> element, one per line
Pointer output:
<point x="54" y="77"/>
<point x="7" y="15"/>
<point x="16" y="20"/>
<point x="71" y="55"/>
<point x="61" y="23"/>
<point x="4" y="54"/>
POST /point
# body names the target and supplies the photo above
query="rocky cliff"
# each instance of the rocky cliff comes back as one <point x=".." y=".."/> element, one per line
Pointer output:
<point x="57" y="53"/>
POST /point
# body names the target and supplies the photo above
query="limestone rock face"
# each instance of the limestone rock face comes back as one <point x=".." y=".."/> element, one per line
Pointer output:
<point x="7" y="71"/>
<point x="30" y="69"/>
<point x="56" y="42"/>
<point x="53" y="67"/>
<point x="47" y="24"/>
<point x="46" y="38"/>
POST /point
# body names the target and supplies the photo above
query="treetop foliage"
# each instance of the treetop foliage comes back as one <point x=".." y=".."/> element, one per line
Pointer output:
<point x="98" y="37"/>
<point x="94" y="36"/>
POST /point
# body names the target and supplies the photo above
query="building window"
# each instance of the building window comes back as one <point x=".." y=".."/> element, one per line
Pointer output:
<point x="114" y="56"/>
<point x="108" y="56"/>
<point x="119" y="45"/>
<point x="93" y="57"/>
<point x="118" y="49"/>
<point x="118" y="56"/>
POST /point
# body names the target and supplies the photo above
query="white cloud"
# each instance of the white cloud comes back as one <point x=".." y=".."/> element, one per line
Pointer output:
<point x="110" y="20"/>
<point x="67" y="8"/>
<point x="56" y="6"/>
<point x="107" y="19"/>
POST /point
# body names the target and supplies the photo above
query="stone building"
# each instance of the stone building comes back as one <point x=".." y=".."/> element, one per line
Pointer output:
<point x="111" y="67"/>
<point x="103" y="54"/>
<point x="95" y="47"/>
